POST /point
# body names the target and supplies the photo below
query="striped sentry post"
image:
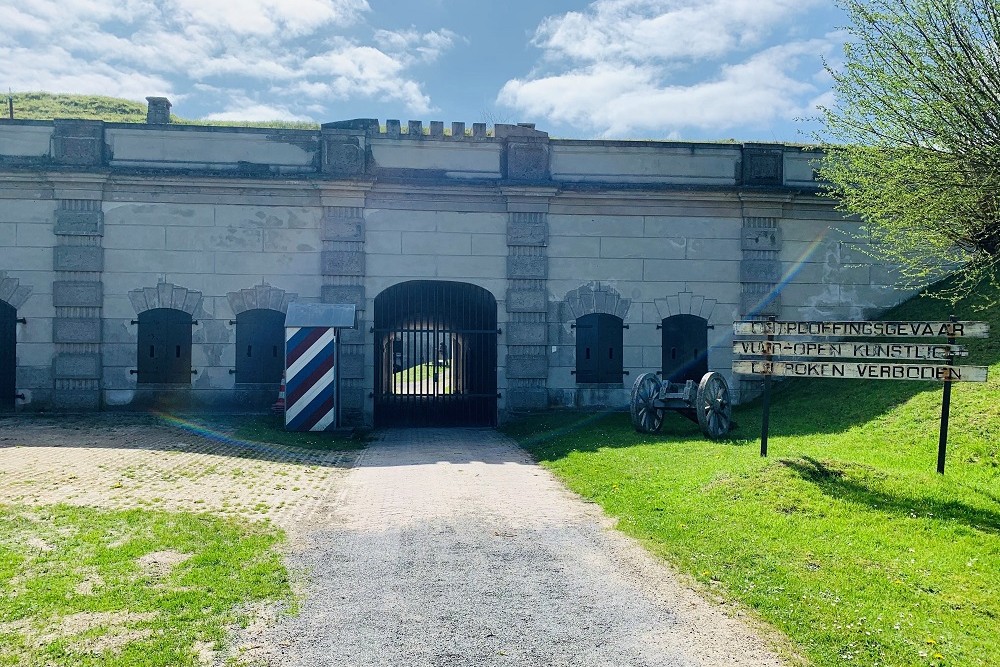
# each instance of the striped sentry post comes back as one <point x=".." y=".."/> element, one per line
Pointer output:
<point x="310" y="378"/>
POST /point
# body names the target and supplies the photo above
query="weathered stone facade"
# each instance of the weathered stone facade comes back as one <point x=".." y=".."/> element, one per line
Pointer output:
<point x="100" y="220"/>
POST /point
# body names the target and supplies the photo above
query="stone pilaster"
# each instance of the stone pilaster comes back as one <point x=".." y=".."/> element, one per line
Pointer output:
<point x="527" y="307"/>
<point x="760" y="278"/>
<point x="343" y="266"/>
<point x="78" y="298"/>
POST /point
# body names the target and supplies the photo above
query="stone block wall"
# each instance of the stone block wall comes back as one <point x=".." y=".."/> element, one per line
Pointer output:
<point x="642" y="255"/>
<point x="26" y="265"/>
<point x="553" y="229"/>
<point x="213" y="251"/>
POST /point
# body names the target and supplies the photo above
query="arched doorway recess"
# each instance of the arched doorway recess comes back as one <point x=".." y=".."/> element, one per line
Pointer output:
<point x="435" y="355"/>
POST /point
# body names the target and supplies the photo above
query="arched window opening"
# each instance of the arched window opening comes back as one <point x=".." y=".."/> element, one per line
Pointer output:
<point x="260" y="342"/>
<point x="164" y="351"/>
<point x="599" y="348"/>
<point x="685" y="348"/>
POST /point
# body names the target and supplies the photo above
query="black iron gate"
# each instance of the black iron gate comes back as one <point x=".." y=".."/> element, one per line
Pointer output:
<point x="435" y="355"/>
<point x="8" y="355"/>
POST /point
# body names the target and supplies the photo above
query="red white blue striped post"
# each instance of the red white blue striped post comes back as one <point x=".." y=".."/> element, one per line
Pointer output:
<point x="310" y="378"/>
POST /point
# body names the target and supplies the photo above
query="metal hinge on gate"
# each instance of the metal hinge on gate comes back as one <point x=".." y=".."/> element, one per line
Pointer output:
<point x="21" y="320"/>
<point x="499" y="395"/>
<point x="21" y="396"/>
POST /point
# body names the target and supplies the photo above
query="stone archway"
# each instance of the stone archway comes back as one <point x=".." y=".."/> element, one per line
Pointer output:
<point x="435" y="355"/>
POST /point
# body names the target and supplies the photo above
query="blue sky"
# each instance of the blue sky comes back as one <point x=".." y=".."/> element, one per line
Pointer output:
<point x="749" y="70"/>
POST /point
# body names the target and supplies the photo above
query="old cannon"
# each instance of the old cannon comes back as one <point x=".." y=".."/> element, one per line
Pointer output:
<point x="705" y="403"/>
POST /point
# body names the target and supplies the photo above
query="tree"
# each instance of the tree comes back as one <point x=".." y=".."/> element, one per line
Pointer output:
<point x="917" y="129"/>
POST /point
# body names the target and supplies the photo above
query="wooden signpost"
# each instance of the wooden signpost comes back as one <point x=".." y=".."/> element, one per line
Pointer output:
<point x="870" y="360"/>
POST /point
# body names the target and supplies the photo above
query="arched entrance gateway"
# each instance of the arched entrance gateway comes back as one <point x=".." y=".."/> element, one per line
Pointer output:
<point x="435" y="355"/>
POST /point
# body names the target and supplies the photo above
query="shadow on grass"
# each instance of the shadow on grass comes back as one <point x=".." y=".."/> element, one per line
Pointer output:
<point x="836" y="483"/>
<point x="553" y="435"/>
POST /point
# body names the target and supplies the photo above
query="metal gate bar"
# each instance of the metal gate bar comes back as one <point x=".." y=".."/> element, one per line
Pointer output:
<point x="435" y="355"/>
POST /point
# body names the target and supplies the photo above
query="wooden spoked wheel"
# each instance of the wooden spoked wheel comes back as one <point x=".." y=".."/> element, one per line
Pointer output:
<point x="712" y="405"/>
<point x="646" y="417"/>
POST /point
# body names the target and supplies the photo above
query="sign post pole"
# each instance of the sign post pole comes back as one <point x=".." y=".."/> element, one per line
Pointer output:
<point x="945" y="408"/>
<point x="764" y="423"/>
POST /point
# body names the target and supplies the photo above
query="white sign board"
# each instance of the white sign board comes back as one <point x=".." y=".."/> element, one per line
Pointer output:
<point x="865" y="329"/>
<point x="885" y="350"/>
<point x="863" y="371"/>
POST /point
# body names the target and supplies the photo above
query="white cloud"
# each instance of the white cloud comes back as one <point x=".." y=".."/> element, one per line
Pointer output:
<point x="365" y="70"/>
<point x="53" y="68"/>
<point x="660" y="67"/>
<point x="248" y="110"/>
<point x="673" y="29"/>
<point x="430" y="45"/>
<point x="234" y="51"/>
<point x="267" y="17"/>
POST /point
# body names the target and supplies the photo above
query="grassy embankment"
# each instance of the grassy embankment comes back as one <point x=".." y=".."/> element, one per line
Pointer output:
<point x="845" y="538"/>
<point x="46" y="106"/>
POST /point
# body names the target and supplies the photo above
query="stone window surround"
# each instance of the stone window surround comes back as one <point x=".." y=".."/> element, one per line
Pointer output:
<point x="593" y="297"/>
<point x="165" y="295"/>
<point x="685" y="303"/>
<point x="12" y="292"/>
<point x="260" y="296"/>
<point x="689" y="303"/>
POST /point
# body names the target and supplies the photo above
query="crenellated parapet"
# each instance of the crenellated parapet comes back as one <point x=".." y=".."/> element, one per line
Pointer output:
<point x="365" y="148"/>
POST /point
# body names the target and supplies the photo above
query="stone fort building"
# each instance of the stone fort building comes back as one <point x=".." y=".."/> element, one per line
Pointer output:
<point x="150" y="266"/>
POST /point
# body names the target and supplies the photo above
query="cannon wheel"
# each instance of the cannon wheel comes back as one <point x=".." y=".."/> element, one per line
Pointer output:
<point x="646" y="418"/>
<point x="715" y="412"/>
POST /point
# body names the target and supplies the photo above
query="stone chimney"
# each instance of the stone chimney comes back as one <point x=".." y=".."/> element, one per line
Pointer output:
<point x="158" y="111"/>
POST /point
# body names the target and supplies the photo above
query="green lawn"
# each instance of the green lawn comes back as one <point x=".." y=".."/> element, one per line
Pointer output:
<point x="422" y="373"/>
<point x="845" y="538"/>
<point x="135" y="588"/>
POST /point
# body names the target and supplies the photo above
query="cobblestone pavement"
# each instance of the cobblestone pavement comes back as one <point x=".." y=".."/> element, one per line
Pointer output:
<point x="128" y="460"/>
<point x="450" y="547"/>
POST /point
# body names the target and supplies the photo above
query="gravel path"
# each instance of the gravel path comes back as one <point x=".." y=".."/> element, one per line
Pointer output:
<point x="450" y="547"/>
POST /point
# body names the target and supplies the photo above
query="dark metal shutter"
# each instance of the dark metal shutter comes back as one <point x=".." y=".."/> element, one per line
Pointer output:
<point x="260" y="341"/>
<point x="599" y="348"/>
<point x="8" y="355"/>
<point x="610" y="335"/>
<point x="684" y="348"/>
<point x="586" y="349"/>
<point x="164" y="351"/>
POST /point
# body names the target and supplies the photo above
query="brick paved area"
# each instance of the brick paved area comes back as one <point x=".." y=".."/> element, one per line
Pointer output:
<point x="110" y="460"/>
